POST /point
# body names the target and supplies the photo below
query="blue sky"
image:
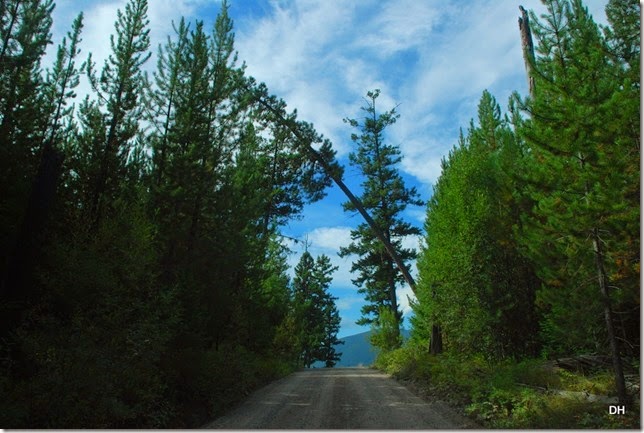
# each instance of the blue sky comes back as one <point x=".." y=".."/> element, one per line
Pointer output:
<point x="432" y="58"/>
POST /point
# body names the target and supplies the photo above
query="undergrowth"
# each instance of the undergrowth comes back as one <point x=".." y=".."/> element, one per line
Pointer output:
<point x="511" y="394"/>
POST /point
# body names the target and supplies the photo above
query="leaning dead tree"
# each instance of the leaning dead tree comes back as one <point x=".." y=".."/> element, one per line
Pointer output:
<point x="306" y="136"/>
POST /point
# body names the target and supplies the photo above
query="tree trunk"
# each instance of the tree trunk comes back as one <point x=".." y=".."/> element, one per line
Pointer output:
<point x="335" y="176"/>
<point x="608" y="316"/>
<point x="436" y="341"/>
<point x="528" y="47"/>
<point x="333" y="172"/>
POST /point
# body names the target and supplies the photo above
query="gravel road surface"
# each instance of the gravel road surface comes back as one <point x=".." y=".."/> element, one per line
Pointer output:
<point x="339" y="398"/>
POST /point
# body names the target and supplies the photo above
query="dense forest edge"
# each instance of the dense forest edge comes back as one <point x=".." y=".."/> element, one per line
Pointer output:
<point x="144" y="279"/>
<point x="530" y="268"/>
<point x="144" y="275"/>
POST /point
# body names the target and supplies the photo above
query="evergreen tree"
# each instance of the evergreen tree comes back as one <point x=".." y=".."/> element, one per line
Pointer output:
<point x="330" y="315"/>
<point x="386" y="197"/>
<point x="315" y="313"/>
<point x="160" y="285"/>
<point x="328" y="353"/>
<point x="25" y="34"/>
<point x="54" y="92"/>
<point x="473" y="277"/>
<point x="583" y="179"/>
<point x="163" y="99"/>
<point x="120" y="88"/>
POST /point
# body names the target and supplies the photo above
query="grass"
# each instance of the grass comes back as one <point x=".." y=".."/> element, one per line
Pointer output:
<point x="508" y="394"/>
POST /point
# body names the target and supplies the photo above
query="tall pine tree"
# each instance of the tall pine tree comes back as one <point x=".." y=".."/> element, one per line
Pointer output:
<point x="473" y="279"/>
<point x="385" y="197"/>
<point x="584" y="178"/>
<point x="316" y="317"/>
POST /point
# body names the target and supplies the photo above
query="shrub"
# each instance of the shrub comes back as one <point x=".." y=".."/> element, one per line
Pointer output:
<point x="509" y="394"/>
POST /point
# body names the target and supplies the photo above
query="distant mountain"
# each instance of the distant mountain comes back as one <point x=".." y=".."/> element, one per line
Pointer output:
<point x="357" y="350"/>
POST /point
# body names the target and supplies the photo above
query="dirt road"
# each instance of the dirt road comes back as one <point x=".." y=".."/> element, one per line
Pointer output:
<point x="340" y="398"/>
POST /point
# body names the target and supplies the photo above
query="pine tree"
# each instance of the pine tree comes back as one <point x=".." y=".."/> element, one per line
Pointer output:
<point x="164" y="282"/>
<point x="25" y="34"/>
<point x="330" y="315"/>
<point x="314" y="310"/>
<point x="28" y="170"/>
<point x="473" y="278"/>
<point x="163" y="99"/>
<point x="386" y="197"/>
<point x="120" y="87"/>
<point x="583" y="179"/>
<point x="328" y="353"/>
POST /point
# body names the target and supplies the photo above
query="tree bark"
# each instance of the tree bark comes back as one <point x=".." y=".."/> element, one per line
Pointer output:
<point x="528" y="47"/>
<point x="602" y="278"/>
<point x="436" y="341"/>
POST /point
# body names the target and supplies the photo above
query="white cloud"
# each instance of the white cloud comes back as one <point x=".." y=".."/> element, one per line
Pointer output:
<point x="330" y="239"/>
<point x="400" y="25"/>
<point x="433" y="57"/>
<point x="403" y="295"/>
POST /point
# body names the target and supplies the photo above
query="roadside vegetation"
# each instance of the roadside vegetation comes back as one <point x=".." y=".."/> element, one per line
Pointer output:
<point x="531" y="252"/>
<point x="144" y="278"/>
<point x="530" y="394"/>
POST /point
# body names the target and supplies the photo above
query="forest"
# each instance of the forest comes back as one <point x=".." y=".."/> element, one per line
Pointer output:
<point x="144" y="281"/>
<point x="532" y="234"/>
<point x="144" y="276"/>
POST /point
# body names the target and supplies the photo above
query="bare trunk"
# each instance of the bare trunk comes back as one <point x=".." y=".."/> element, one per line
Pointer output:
<point x="335" y="176"/>
<point x="436" y="341"/>
<point x="333" y="172"/>
<point x="604" y="290"/>
<point x="528" y="47"/>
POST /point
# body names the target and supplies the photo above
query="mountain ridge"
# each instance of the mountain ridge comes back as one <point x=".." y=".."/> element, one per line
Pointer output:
<point x="357" y="351"/>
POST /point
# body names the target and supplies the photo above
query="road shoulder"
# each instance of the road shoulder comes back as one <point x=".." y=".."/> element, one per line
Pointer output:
<point x="455" y="412"/>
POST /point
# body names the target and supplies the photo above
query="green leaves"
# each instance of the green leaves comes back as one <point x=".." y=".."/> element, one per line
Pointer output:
<point x="580" y="178"/>
<point x="316" y="318"/>
<point x="385" y="197"/>
<point x="160" y="284"/>
<point x="473" y="280"/>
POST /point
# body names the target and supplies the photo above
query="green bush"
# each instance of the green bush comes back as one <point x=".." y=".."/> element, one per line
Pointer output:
<point x="509" y="394"/>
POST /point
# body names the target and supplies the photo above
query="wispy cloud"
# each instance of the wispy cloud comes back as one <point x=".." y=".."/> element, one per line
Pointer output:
<point x="431" y="58"/>
<point x="434" y="57"/>
<point x="399" y="26"/>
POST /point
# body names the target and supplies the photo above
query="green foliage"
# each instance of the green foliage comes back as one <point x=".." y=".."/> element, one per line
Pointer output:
<point x="473" y="280"/>
<point x="510" y="394"/>
<point x="385" y="197"/>
<point x="582" y="177"/>
<point x="531" y="237"/>
<point x="155" y="293"/>
<point x="25" y="28"/>
<point x="316" y="321"/>
<point x="144" y="284"/>
<point x="385" y="331"/>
